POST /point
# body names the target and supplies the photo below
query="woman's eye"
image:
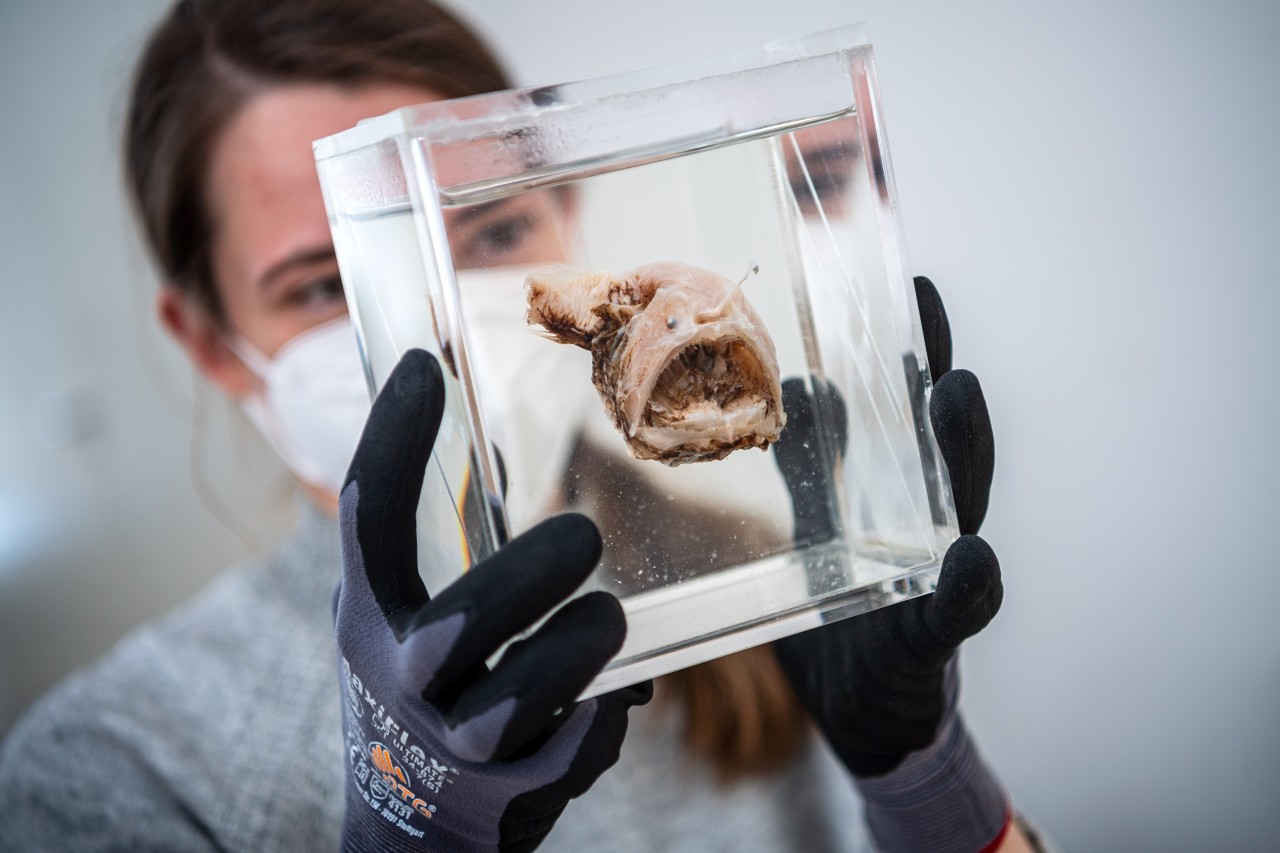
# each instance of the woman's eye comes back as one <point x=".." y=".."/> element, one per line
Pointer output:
<point x="500" y="237"/>
<point x="319" y="292"/>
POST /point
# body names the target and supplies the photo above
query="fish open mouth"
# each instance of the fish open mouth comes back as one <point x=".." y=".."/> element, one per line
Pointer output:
<point x="684" y="366"/>
<point x="725" y="373"/>
<point x="711" y="398"/>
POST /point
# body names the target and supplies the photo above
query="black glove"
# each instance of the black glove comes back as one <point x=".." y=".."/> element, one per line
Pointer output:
<point x="443" y="753"/>
<point x="881" y="686"/>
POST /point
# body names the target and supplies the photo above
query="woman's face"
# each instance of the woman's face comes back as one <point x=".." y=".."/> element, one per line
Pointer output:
<point x="272" y="255"/>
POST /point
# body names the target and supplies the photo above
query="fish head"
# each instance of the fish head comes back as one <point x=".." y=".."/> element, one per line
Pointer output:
<point x="701" y="376"/>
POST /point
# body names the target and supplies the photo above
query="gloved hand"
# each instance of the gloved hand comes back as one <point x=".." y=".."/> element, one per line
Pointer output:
<point x="443" y="753"/>
<point x="882" y="686"/>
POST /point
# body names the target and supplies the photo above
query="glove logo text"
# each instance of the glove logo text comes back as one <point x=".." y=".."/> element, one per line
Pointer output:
<point x="384" y="784"/>
<point x="391" y="780"/>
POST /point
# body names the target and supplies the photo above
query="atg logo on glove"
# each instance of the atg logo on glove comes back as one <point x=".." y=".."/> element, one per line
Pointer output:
<point x="393" y="780"/>
<point x="382" y="779"/>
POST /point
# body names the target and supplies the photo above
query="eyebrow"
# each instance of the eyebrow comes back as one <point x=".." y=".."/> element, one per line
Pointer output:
<point x="300" y="258"/>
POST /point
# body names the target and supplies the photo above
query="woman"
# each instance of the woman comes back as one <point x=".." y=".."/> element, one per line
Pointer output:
<point x="222" y="726"/>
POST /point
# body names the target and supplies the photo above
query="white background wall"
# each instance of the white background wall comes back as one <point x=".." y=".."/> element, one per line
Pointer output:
<point x="1092" y="185"/>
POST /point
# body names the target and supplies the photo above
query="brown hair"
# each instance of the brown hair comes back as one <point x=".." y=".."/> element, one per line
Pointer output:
<point x="203" y="63"/>
<point x="739" y="713"/>
<point x="208" y="58"/>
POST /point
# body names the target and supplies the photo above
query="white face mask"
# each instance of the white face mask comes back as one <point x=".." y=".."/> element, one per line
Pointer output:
<point x="531" y="389"/>
<point x="314" y="401"/>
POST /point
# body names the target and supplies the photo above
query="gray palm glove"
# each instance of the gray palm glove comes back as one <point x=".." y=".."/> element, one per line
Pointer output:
<point x="444" y="754"/>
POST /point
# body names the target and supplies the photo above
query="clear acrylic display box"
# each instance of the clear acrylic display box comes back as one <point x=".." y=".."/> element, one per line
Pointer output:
<point x="767" y="174"/>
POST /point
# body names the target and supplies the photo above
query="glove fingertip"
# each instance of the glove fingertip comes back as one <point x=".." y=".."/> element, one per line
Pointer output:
<point x="605" y="611"/>
<point x="636" y="694"/>
<point x="969" y="591"/>
<point x="578" y="539"/>
<point x="422" y="382"/>
<point x="962" y="426"/>
<point x="793" y="392"/>
<point x="958" y="404"/>
<point x="821" y="414"/>
<point x="406" y="413"/>
<point x="599" y="628"/>
<point x="936" y="327"/>
<point x="417" y="379"/>
<point x="602" y="743"/>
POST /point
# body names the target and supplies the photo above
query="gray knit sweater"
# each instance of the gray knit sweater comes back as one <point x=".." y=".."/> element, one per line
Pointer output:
<point x="218" y="728"/>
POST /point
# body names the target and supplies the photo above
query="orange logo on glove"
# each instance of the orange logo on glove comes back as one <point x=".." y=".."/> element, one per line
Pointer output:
<point x="396" y="779"/>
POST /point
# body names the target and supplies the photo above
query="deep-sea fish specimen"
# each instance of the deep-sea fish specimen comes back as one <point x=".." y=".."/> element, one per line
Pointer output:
<point x="684" y="365"/>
